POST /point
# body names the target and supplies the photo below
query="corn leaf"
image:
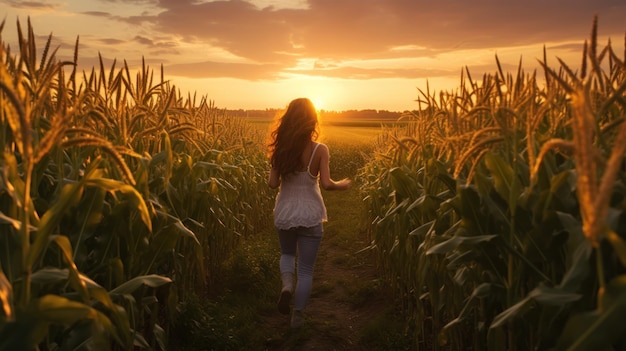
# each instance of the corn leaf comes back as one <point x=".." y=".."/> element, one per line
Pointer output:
<point x="6" y="298"/>
<point x="503" y="177"/>
<point x="619" y="245"/>
<point x="457" y="240"/>
<point x="541" y="294"/>
<point x="58" y="310"/>
<point x="130" y="286"/>
<point x="601" y="328"/>
<point x="51" y="218"/>
<point x="115" y="185"/>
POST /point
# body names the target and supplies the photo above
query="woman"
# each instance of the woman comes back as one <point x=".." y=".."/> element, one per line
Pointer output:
<point x="298" y="166"/>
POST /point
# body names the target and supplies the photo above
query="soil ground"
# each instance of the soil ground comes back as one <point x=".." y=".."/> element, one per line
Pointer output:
<point x="350" y="308"/>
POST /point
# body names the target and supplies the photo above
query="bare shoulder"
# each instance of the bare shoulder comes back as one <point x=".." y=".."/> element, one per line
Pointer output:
<point x="323" y="148"/>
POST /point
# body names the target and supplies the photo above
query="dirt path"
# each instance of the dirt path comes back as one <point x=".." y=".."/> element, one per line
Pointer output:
<point x="347" y="298"/>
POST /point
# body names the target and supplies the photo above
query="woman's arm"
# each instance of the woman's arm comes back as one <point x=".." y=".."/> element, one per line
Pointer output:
<point x="274" y="180"/>
<point x="325" y="180"/>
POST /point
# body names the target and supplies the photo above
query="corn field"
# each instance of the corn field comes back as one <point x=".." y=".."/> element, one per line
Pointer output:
<point x="499" y="212"/>
<point x="118" y="198"/>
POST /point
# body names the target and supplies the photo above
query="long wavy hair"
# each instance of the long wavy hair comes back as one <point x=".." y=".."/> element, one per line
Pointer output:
<point x="297" y="127"/>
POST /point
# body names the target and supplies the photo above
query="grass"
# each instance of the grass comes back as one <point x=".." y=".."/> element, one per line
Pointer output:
<point x="243" y="314"/>
<point x="384" y="332"/>
<point x="229" y="320"/>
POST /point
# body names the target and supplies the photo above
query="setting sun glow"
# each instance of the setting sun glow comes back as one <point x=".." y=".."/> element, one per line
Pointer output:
<point x="317" y="102"/>
<point x="257" y="54"/>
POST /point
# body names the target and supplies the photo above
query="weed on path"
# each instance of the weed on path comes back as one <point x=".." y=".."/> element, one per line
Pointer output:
<point x="350" y="308"/>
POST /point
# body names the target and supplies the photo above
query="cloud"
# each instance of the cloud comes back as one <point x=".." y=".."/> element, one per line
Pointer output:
<point x="269" y="37"/>
<point x="363" y="28"/>
<point x="34" y="5"/>
<point x="98" y="14"/>
<point x="351" y="72"/>
<point x="359" y="39"/>
<point x="210" y="69"/>
<point x="236" y="26"/>
<point x="111" y="41"/>
<point x="137" y="2"/>
<point x="144" y="41"/>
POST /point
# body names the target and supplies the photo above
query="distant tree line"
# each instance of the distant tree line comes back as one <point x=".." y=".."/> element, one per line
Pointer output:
<point x="361" y="114"/>
<point x="368" y="114"/>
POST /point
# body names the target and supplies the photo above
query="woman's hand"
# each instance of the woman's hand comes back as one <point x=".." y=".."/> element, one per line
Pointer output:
<point x="343" y="184"/>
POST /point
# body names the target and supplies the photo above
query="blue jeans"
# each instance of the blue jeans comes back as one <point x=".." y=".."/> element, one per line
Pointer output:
<point x="301" y="242"/>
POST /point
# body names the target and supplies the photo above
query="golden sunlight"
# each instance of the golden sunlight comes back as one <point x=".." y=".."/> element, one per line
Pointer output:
<point x="318" y="102"/>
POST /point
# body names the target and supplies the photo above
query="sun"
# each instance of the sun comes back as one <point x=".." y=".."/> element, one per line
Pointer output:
<point x="318" y="102"/>
<point x="322" y="92"/>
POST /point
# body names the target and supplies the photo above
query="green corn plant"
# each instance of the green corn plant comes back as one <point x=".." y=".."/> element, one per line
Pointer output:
<point x="114" y="188"/>
<point x="500" y="261"/>
<point x="598" y="148"/>
<point x="34" y="123"/>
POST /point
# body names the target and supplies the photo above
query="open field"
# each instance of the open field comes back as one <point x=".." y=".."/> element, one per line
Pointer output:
<point x="344" y="130"/>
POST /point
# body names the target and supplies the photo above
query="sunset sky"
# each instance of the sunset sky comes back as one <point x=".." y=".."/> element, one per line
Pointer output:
<point x="343" y="54"/>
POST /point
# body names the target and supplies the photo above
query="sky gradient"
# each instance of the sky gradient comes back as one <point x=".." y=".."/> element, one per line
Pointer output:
<point x="343" y="54"/>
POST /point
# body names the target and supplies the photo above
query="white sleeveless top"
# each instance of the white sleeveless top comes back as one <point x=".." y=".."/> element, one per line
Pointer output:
<point x="299" y="202"/>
